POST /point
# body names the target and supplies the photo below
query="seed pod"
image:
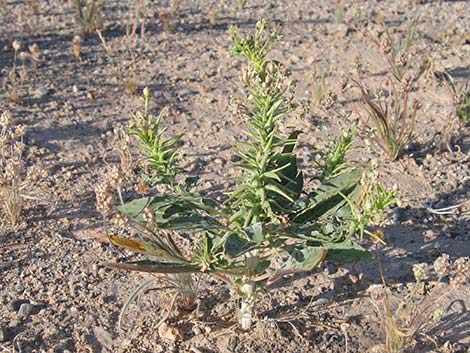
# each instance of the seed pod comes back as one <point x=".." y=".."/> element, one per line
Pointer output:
<point x="385" y="45"/>
<point x="420" y="271"/>
<point x="104" y="198"/>
<point x="442" y="265"/>
<point x="148" y="215"/>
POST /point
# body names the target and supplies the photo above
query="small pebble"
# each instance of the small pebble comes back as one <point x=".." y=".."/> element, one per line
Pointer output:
<point x="25" y="310"/>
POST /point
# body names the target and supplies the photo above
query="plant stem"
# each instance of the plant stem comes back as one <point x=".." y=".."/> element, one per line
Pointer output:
<point x="247" y="305"/>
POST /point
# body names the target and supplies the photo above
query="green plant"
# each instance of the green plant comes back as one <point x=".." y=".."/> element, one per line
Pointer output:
<point x="266" y="220"/>
<point x="393" y="117"/>
<point x="86" y="15"/>
<point x="461" y="99"/>
<point x="334" y="160"/>
<point x="241" y="4"/>
<point x="339" y="11"/>
<point x="17" y="184"/>
<point x="318" y="85"/>
<point x="160" y="153"/>
<point x="419" y="310"/>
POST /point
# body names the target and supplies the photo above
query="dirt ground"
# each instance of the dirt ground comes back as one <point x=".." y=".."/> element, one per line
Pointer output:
<point x="70" y="108"/>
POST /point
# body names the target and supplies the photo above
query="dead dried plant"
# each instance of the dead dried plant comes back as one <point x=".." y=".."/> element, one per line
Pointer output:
<point x="17" y="183"/>
<point x="318" y="85"/>
<point x="420" y="309"/>
<point x="86" y="16"/>
<point x="139" y="17"/>
<point x="125" y="76"/>
<point x="14" y="82"/>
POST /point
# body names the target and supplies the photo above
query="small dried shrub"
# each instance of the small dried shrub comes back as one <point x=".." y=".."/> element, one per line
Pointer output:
<point x="87" y="16"/>
<point x="318" y="85"/>
<point x="18" y="74"/>
<point x="17" y="183"/>
<point x="420" y="309"/>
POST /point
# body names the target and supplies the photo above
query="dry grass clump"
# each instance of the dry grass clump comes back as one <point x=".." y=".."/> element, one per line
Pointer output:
<point x="17" y="182"/>
<point x="15" y="80"/>
<point x="420" y="309"/>
<point x="86" y="16"/>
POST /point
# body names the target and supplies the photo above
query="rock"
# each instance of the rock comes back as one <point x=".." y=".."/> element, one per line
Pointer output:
<point x="232" y="343"/>
<point x="167" y="333"/>
<point x="103" y="337"/>
<point x="15" y="304"/>
<point x="41" y="92"/>
<point x="20" y="288"/>
<point x="320" y="301"/>
<point x="184" y="92"/>
<point x="4" y="334"/>
<point x="25" y="310"/>
<point x="338" y="30"/>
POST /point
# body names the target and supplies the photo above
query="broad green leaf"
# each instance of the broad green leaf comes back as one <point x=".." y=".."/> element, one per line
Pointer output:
<point x="235" y="245"/>
<point x="347" y="251"/>
<point x="328" y="198"/>
<point x="304" y="258"/>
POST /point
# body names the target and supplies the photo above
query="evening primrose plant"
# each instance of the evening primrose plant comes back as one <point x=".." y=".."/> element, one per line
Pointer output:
<point x="268" y="226"/>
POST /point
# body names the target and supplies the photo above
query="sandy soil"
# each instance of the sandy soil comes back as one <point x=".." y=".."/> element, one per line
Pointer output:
<point x="71" y="108"/>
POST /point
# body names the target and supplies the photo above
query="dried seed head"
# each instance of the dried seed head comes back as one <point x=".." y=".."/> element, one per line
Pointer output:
<point x="142" y="187"/>
<point x="401" y="58"/>
<point x="20" y="131"/>
<point x="344" y="84"/>
<point x="379" y="92"/>
<point x="417" y="104"/>
<point x="407" y="83"/>
<point x="12" y="171"/>
<point x="34" y="50"/>
<point x="442" y="265"/>
<point x="24" y="56"/>
<point x="104" y="198"/>
<point x="358" y="64"/>
<point x="376" y="292"/>
<point x="116" y="179"/>
<point x="122" y="138"/>
<point x="146" y="92"/>
<point x="329" y="100"/>
<point x="120" y="220"/>
<point x="420" y="271"/>
<point x="457" y="98"/>
<point x="5" y="119"/>
<point x="76" y="40"/>
<point x="462" y="271"/>
<point x="17" y="149"/>
<point x="148" y="215"/>
<point x="385" y="45"/>
<point x="16" y="45"/>
<point x="35" y="174"/>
